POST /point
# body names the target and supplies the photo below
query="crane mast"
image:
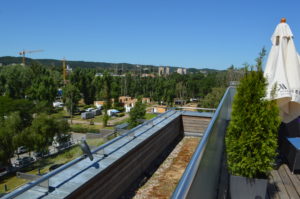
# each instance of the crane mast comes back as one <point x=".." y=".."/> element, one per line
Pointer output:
<point x="64" y="70"/>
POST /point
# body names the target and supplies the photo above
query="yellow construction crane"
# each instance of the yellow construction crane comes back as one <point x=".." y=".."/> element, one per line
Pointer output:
<point x="24" y="52"/>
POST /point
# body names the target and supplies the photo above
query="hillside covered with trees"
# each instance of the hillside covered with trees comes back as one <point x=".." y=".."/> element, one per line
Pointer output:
<point x="116" y="67"/>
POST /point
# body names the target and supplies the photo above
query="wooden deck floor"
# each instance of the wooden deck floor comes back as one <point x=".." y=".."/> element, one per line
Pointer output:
<point x="283" y="184"/>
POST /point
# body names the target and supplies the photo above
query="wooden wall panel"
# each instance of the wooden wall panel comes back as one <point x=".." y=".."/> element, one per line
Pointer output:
<point x="119" y="177"/>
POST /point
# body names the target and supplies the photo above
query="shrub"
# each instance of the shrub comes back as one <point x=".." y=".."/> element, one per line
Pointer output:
<point x="136" y="113"/>
<point x="251" y="139"/>
<point x="83" y="129"/>
<point x="105" y="119"/>
<point x="121" y="114"/>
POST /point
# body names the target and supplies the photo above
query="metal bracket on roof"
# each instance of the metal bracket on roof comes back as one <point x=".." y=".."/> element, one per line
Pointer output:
<point x="86" y="149"/>
<point x="132" y="135"/>
<point x="151" y="123"/>
<point x="102" y="152"/>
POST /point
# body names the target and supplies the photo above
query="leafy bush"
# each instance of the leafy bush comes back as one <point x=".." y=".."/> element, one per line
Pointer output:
<point x="121" y="114"/>
<point x="136" y="113"/>
<point x="212" y="99"/>
<point x="105" y="119"/>
<point x="120" y="108"/>
<point x="82" y="129"/>
<point x="251" y="139"/>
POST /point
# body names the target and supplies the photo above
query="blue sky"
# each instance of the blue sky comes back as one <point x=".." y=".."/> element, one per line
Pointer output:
<point x="189" y="33"/>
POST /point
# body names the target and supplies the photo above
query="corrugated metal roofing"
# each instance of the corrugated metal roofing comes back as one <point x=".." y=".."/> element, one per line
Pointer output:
<point x="76" y="175"/>
<point x="198" y="114"/>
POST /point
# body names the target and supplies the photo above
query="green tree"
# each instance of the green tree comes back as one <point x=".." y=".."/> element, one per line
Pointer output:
<point x="180" y="90"/>
<point x="71" y="96"/>
<point x="43" y="89"/>
<point x="212" y="99"/>
<point x="251" y="138"/>
<point x="40" y="134"/>
<point x="136" y="113"/>
<point x="10" y="128"/>
<point x="24" y="107"/>
<point x="106" y="94"/>
<point x="15" y="80"/>
<point x="83" y="79"/>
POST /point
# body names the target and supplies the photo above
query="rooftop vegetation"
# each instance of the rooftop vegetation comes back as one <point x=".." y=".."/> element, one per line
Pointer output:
<point x="251" y="138"/>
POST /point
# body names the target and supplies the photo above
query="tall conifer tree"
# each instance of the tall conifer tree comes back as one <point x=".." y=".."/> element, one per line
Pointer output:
<point x="251" y="139"/>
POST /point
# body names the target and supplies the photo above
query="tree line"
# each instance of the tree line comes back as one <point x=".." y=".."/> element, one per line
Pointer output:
<point x="26" y="96"/>
<point x="27" y="93"/>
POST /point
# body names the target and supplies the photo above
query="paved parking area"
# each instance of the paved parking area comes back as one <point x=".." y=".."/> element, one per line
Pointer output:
<point x="75" y="138"/>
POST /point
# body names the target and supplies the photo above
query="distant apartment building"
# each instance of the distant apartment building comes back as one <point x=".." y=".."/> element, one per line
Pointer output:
<point x="163" y="71"/>
<point x="167" y="70"/>
<point x="181" y="71"/>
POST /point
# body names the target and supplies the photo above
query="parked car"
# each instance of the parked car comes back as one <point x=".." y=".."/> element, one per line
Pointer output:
<point x="78" y="111"/>
<point x="3" y="169"/>
<point x="99" y="106"/>
<point x="39" y="154"/>
<point x="23" y="161"/>
<point x="87" y="115"/>
<point x="62" y="142"/>
<point x="112" y="112"/>
<point x="64" y="145"/>
<point x="21" y="149"/>
<point x="96" y="112"/>
<point x="58" y="104"/>
<point x="89" y="109"/>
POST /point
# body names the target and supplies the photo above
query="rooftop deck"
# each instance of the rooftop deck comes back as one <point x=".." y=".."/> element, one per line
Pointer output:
<point x="203" y="177"/>
<point x="206" y="175"/>
<point x="283" y="184"/>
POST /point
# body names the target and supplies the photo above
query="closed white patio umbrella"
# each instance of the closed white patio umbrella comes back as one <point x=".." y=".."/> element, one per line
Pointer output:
<point x="283" y="69"/>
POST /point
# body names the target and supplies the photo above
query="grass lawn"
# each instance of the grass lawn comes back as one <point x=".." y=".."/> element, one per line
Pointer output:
<point x="98" y="118"/>
<point x="149" y="116"/>
<point x="14" y="182"/>
<point x="61" y="113"/>
<point x="95" y="142"/>
<point x="122" y="121"/>
<point x="85" y="128"/>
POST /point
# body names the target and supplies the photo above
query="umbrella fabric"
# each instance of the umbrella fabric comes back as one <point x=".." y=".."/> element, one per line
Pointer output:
<point x="283" y="70"/>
